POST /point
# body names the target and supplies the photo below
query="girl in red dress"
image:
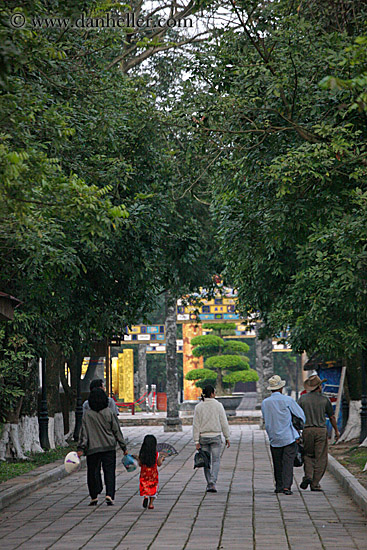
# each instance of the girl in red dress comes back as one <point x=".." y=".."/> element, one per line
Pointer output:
<point x="149" y="460"/>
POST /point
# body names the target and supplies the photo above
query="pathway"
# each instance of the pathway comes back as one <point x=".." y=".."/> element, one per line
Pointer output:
<point x="245" y="514"/>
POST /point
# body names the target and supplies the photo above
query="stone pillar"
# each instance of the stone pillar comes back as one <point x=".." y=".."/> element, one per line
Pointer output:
<point x="142" y="373"/>
<point x="173" y="421"/>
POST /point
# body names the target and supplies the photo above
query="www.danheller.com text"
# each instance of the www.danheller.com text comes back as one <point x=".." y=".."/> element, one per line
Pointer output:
<point x="108" y="21"/>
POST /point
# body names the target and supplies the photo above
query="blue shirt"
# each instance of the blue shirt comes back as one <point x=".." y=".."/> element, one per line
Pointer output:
<point x="276" y="411"/>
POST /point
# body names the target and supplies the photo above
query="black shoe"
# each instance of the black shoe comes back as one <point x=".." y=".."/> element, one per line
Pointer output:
<point x="305" y="483"/>
<point x="109" y="501"/>
<point x="93" y="502"/>
<point x="287" y="492"/>
<point x="318" y="489"/>
<point x="278" y="490"/>
<point x="145" y="502"/>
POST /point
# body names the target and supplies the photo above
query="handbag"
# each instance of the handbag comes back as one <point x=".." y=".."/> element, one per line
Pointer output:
<point x="298" y="459"/>
<point x="202" y="459"/>
<point x="297" y="422"/>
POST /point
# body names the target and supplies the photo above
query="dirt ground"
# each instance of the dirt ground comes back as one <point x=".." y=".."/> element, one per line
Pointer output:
<point x="352" y="457"/>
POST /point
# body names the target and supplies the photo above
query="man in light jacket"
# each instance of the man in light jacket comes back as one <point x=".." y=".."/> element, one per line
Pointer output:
<point x="209" y="422"/>
<point x="277" y="412"/>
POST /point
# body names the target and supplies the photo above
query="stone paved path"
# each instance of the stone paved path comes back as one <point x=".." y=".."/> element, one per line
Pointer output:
<point x="245" y="514"/>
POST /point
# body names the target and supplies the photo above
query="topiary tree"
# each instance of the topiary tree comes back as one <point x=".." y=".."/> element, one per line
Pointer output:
<point x="225" y="361"/>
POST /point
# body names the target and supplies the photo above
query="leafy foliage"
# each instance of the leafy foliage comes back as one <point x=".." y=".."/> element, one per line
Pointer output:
<point x="92" y="228"/>
<point x="279" y="112"/>
<point x="201" y="374"/>
<point x="229" y="362"/>
<point x="240" y="376"/>
<point x="15" y="369"/>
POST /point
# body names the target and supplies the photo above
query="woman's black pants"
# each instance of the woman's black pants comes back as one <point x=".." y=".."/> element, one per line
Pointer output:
<point x="108" y="461"/>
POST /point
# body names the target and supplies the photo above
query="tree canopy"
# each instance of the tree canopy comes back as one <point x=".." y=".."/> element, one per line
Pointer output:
<point x="91" y="231"/>
<point x="279" y="110"/>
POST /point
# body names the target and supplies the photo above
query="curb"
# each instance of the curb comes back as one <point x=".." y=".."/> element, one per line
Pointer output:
<point x="185" y="420"/>
<point x="15" y="493"/>
<point x="349" y="483"/>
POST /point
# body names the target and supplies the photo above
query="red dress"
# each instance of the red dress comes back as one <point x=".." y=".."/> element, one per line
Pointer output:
<point x="148" y="483"/>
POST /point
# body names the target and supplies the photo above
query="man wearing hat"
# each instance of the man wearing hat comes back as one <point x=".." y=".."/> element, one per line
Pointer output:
<point x="316" y="407"/>
<point x="277" y="412"/>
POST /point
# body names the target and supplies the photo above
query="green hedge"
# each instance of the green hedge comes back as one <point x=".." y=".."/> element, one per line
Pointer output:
<point x="227" y="362"/>
<point x="199" y="374"/>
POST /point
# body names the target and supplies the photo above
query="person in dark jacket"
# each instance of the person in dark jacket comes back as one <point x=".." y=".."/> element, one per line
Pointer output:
<point x="98" y="383"/>
<point x="98" y="437"/>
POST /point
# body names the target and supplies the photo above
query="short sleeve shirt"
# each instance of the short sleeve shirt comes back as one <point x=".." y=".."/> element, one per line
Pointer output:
<point x="316" y="408"/>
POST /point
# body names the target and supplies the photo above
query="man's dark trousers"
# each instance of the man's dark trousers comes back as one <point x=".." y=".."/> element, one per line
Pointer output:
<point x="283" y="461"/>
<point x="108" y="460"/>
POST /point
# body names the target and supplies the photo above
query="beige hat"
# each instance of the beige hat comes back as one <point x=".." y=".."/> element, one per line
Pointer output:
<point x="313" y="382"/>
<point x="275" y="383"/>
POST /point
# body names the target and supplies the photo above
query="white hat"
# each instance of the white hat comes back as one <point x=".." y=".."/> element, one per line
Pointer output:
<point x="275" y="383"/>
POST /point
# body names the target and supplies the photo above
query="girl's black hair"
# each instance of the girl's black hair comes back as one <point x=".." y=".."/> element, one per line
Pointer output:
<point x="148" y="451"/>
<point x="207" y="391"/>
<point x="97" y="399"/>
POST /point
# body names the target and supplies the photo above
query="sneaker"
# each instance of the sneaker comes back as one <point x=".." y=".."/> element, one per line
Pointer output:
<point x="287" y="492"/>
<point x="212" y="489"/>
<point x="305" y="483"/>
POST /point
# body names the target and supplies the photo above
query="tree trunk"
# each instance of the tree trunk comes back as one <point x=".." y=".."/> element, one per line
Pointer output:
<point x="28" y="430"/>
<point x="28" y="427"/>
<point x="56" y="421"/>
<point x="142" y="372"/>
<point x="173" y="422"/>
<point x="10" y="446"/>
<point x="353" y="427"/>
<point x="264" y="363"/>
<point x="219" y="383"/>
<point x="70" y="434"/>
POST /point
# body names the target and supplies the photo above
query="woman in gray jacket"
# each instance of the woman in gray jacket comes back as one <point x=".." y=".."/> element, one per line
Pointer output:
<point x="98" y="437"/>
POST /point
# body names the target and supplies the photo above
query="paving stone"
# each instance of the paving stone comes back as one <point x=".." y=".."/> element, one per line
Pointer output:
<point x="245" y="512"/>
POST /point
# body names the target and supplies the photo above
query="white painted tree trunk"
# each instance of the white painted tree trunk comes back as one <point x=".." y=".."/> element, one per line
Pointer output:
<point x="9" y="443"/>
<point x="29" y="434"/>
<point x="70" y="433"/>
<point x="4" y="441"/>
<point x="51" y="432"/>
<point x="59" y="430"/>
<point x="353" y="427"/>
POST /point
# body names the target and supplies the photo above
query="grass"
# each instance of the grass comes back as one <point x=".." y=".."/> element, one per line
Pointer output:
<point x="13" y="468"/>
<point x="357" y="456"/>
<point x="353" y="457"/>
